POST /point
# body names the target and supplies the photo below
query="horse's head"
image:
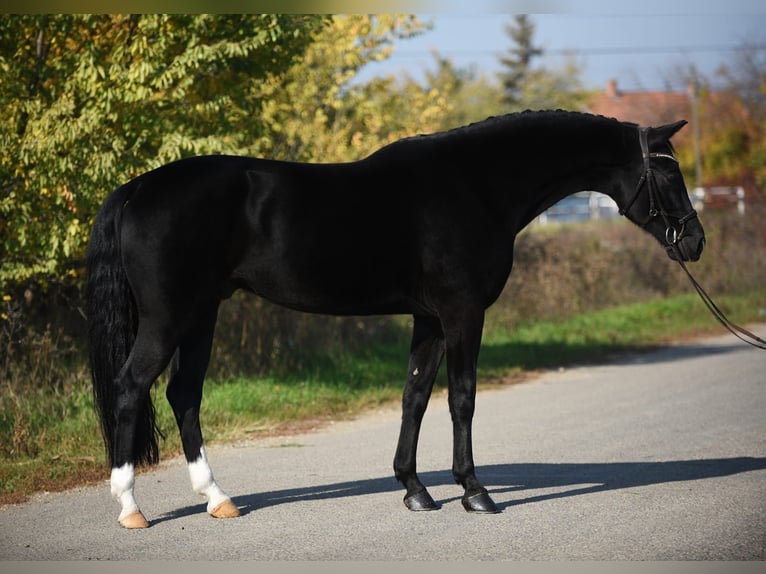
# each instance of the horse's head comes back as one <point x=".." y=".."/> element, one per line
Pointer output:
<point x="659" y="201"/>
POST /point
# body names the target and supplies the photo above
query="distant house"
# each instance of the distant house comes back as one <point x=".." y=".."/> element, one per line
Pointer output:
<point x="644" y="108"/>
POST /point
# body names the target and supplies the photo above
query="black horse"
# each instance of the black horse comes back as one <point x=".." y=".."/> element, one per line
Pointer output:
<point x="424" y="226"/>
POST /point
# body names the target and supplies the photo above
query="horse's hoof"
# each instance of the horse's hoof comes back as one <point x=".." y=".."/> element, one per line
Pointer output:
<point x="480" y="503"/>
<point x="135" y="520"/>
<point x="420" y="501"/>
<point x="225" y="510"/>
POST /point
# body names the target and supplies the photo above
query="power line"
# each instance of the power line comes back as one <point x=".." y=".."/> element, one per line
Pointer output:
<point x="657" y="50"/>
<point x="614" y="51"/>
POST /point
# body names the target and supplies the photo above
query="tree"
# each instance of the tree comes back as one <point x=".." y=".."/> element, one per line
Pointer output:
<point x="88" y="102"/>
<point x="517" y="62"/>
<point x="527" y="87"/>
<point x="730" y="136"/>
<point x="315" y="113"/>
<point x="745" y="82"/>
<point x="554" y="89"/>
<point x="472" y="96"/>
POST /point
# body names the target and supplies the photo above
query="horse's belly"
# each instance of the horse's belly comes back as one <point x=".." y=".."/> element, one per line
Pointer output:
<point x="329" y="286"/>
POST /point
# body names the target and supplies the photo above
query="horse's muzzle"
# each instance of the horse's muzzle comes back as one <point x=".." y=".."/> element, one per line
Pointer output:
<point x="690" y="248"/>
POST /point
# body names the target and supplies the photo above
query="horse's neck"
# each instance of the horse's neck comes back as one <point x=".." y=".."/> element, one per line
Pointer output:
<point x="548" y="176"/>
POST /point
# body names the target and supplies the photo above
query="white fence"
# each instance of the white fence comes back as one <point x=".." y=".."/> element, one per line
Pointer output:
<point x="590" y="205"/>
<point x="582" y="206"/>
<point x="720" y="197"/>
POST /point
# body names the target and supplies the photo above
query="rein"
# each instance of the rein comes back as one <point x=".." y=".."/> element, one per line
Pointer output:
<point x="673" y="237"/>
<point x="740" y="332"/>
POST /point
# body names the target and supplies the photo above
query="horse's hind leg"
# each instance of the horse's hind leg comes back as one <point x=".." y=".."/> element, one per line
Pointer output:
<point x="185" y="396"/>
<point x="134" y="418"/>
<point x="426" y="353"/>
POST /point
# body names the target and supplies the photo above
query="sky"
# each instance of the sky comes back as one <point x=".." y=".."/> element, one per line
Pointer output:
<point x="643" y="44"/>
<point x="648" y="51"/>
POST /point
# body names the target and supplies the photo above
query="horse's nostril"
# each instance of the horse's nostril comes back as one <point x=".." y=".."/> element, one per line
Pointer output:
<point x="696" y="253"/>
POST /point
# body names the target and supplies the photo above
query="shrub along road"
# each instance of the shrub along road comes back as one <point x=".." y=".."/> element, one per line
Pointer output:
<point x="659" y="456"/>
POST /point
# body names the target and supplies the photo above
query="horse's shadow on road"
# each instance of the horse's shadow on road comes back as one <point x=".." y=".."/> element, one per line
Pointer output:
<point x="564" y="479"/>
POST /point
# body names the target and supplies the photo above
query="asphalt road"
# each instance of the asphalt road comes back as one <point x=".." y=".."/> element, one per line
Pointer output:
<point x="656" y="457"/>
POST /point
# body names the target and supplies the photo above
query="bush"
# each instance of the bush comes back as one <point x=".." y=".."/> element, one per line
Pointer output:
<point x="577" y="268"/>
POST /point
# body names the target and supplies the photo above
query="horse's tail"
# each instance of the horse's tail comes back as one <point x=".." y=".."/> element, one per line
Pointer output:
<point x="112" y="326"/>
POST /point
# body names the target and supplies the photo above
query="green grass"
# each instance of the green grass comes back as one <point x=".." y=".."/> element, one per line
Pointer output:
<point x="50" y="438"/>
<point x="333" y="388"/>
<point x="598" y="335"/>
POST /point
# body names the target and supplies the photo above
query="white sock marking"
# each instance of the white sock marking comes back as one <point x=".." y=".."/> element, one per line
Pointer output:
<point x="203" y="482"/>
<point x="122" y="481"/>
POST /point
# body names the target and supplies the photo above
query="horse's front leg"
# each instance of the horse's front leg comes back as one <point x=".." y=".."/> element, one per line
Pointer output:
<point x="426" y="353"/>
<point x="463" y="338"/>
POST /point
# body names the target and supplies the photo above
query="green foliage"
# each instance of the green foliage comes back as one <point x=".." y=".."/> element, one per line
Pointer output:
<point x="745" y="78"/>
<point x="732" y="125"/>
<point x="554" y="89"/>
<point x="88" y="102"/>
<point x="472" y="97"/>
<point x="314" y="113"/>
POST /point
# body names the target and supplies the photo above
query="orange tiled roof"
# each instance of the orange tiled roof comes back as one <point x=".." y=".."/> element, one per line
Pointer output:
<point x="644" y="108"/>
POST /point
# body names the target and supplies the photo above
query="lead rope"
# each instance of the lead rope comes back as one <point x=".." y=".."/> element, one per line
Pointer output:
<point x="740" y="332"/>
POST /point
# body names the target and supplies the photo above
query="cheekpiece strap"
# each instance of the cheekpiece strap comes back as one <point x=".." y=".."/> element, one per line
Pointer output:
<point x="643" y="138"/>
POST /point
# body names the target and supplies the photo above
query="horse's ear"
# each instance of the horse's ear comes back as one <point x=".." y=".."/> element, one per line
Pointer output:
<point x="669" y="130"/>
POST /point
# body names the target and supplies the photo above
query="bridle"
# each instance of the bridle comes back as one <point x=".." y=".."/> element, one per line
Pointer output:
<point x="673" y="236"/>
<point x="656" y="208"/>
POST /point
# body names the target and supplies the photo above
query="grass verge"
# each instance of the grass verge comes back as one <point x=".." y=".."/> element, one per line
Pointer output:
<point x="51" y="440"/>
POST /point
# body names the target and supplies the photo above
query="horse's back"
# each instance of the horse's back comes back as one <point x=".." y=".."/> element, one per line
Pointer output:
<point x="331" y="238"/>
<point x="327" y="238"/>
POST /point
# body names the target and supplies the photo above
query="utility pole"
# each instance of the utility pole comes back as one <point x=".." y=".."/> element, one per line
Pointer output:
<point x="693" y="91"/>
